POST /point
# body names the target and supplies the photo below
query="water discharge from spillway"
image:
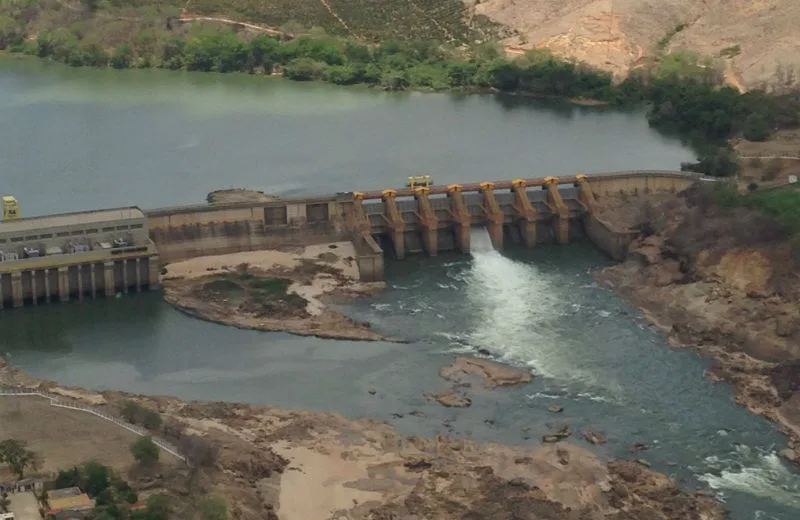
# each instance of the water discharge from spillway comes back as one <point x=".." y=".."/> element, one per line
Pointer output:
<point x="515" y="306"/>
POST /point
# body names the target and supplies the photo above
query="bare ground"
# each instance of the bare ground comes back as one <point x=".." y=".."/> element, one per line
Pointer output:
<point x="616" y="35"/>
<point x="64" y="438"/>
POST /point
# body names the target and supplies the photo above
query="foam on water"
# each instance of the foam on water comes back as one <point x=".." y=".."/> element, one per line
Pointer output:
<point x="514" y="307"/>
<point x="757" y="473"/>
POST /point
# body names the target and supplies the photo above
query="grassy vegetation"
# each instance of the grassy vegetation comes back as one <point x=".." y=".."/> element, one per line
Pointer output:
<point x="263" y="293"/>
<point x="781" y="204"/>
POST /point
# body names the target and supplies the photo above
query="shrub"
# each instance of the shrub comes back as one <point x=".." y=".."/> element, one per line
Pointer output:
<point x="145" y="451"/>
<point x="304" y="69"/>
<point x="756" y="128"/>
<point x="121" y="59"/>
<point x="137" y="414"/>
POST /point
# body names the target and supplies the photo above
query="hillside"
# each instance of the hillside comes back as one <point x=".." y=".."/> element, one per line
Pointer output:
<point x="754" y="43"/>
<point x="751" y="40"/>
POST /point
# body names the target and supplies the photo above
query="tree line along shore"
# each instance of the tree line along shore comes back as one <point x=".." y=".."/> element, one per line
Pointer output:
<point x="684" y="93"/>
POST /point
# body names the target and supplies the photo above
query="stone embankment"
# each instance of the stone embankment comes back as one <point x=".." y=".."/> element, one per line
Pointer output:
<point x="725" y="283"/>
<point x="297" y="465"/>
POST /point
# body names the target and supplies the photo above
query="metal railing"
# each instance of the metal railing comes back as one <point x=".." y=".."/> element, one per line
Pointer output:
<point x="56" y="402"/>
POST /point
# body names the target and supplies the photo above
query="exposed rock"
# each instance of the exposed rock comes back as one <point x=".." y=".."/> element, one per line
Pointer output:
<point x="238" y="195"/>
<point x="594" y="437"/>
<point x="622" y="36"/>
<point x="785" y="326"/>
<point x="725" y="283"/>
<point x="493" y="374"/>
<point x="450" y="398"/>
<point x="790" y="454"/>
<point x="555" y="409"/>
<point x="639" y="446"/>
<point x="560" y="435"/>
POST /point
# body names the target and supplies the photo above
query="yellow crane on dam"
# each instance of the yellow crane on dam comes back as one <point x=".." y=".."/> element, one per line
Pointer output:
<point x="420" y="181"/>
<point x="10" y="208"/>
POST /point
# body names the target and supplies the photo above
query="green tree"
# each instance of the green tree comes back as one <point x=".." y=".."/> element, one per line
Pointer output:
<point x="158" y="507"/>
<point x="4" y="502"/>
<point x="172" y="54"/>
<point x="132" y="411"/>
<point x="342" y="75"/>
<point x="10" y="32"/>
<point x="756" y="128"/>
<point x="213" y="508"/>
<point x="95" y="478"/>
<point x="263" y="53"/>
<point x="68" y="478"/>
<point x="17" y="457"/>
<point x="717" y="162"/>
<point x="304" y="69"/>
<point x="145" y="451"/>
<point x="121" y="59"/>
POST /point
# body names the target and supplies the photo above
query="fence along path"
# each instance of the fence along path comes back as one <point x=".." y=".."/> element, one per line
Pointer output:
<point x="54" y="401"/>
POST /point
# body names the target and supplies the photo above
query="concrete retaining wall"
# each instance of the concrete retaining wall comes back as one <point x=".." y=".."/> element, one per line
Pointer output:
<point x="613" y="242"/>
<point x="369" y="258"/>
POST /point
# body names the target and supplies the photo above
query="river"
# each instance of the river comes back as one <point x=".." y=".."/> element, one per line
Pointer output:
<point x="75" y="139"/>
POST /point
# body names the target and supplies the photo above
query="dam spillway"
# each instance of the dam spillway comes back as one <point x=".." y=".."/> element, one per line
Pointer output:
<point x="91" y="253"/>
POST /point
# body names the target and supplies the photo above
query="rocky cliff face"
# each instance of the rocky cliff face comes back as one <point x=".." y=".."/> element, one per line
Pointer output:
<point x="754" y="41"/>
<point x="725" y="282"/>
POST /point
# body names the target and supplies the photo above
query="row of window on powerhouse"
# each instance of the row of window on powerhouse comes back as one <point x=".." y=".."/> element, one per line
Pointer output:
<point x="33" y="252"/>
<point x="77" y="232"/>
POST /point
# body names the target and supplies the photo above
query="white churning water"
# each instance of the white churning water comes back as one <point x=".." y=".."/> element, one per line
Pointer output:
<point x="515" y="306"/>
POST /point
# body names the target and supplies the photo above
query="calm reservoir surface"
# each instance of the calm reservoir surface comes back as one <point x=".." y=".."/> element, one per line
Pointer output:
<point x="74" y="139"/>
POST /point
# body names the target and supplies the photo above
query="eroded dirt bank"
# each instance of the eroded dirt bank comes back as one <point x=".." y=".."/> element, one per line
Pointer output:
<point x="724" y="282"/>
<point x="282" y="290"/>
<point x="295" y="465"/>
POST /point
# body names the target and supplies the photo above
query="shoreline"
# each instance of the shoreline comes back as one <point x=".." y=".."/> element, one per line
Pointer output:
<point x="578" y="101"/>
<point x="322" y="464"/>
<point x="731" y="303"/>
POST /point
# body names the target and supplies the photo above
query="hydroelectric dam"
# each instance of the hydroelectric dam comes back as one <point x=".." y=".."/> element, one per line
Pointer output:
<point x="104" y="252"/>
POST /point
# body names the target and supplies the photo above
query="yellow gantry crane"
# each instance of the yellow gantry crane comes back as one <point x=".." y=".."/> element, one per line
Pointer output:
<point x="10" y="208"/>
<point x="420" y="181"/>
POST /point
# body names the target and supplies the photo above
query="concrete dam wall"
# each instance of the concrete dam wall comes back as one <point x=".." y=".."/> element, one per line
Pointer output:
<point x="103" y="252"/>
<point x="399" y="222"/>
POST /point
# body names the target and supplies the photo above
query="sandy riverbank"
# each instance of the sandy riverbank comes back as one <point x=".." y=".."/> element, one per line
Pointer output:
<point x="296" y="465"/>
<point x="278" y="290"/>
<point x="725" y="284"/>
